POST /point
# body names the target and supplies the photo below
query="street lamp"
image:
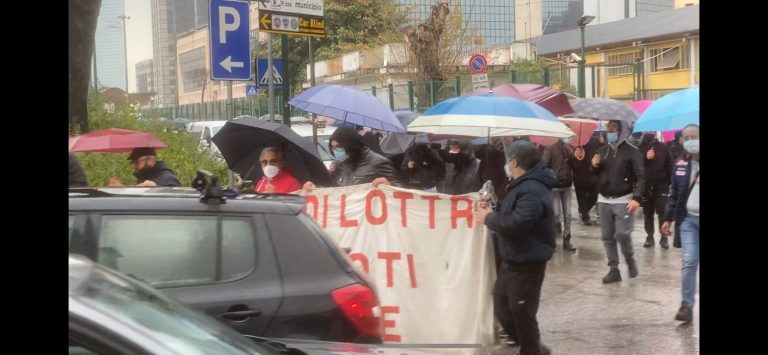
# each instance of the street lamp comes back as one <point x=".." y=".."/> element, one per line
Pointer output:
<point x="583" y="22"/>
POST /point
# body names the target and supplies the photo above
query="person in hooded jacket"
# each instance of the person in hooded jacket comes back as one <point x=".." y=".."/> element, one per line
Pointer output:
<point x="621" y="185"/>
<point x="354" y="163"/>
<point x="558" y="157"/>
<point x="658" y="165"/>
<point x="524" y="223"/>
<point x="421" y="167"/>
<point x="462" y="170"/>
<point x="148" y="170"/>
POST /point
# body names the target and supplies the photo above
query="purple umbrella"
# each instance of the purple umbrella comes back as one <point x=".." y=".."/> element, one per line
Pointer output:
<point x="348" y="104"/>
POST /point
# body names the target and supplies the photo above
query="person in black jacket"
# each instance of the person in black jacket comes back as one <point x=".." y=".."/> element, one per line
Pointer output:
<point x="621" y="185"/>
<point x="584" y="179"/>
<point x="676" y="150"/>
<point x="658" y="165"/>
<point x="524" y="222"/>
<point x="354" y="163"/>
<point x="462" y="170"/>
<point x="683" y="209"/>
<point x="76" y="173"/>
<point x="148" y="170"/>
<point x="558" y="157"/>
<point x="422" y="167"/>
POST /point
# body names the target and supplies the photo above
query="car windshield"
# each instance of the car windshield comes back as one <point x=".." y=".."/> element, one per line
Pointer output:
<point x="173" y="325"/>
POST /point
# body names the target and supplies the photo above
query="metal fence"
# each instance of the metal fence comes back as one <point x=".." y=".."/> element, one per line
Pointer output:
<point x="621" y="81"/>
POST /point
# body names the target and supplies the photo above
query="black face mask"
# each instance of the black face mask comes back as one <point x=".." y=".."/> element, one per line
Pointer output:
<point x="452" y="157"/>
<point x="648" y="138"/>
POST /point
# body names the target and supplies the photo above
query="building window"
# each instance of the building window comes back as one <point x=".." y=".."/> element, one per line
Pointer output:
<point x="623" y="64"/>
<point x="669" y="58"/>
<point x="192" y="68"/>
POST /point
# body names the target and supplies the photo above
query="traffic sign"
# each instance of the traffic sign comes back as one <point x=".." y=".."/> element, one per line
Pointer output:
<point x="305" y="18"/>
<point x="251" y="90"/>
<point x="229" y="39"/>
<point x="277" y="72"/>
<point x="478" y="64"/>
<point x="479" y="81"/>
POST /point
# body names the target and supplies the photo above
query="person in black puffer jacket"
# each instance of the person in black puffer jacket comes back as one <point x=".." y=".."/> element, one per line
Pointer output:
<point x="658" y="171"/>
<point x="621" y="185"/>
<point x="354" y="163"/>
<point x="584" y="179"/>
<point x="524" y="222"/>
<point x="422" y="167"/>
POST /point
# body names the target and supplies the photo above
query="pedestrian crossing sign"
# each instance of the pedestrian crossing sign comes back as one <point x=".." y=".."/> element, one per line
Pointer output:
<point x="277" y="72"/>
<point x="251" y="90"/>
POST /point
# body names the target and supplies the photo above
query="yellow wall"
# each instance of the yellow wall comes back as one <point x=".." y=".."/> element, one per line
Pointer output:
<point x="672" y="79"/>
<point x="682" y="3"/>
<point x="622" y="85"/>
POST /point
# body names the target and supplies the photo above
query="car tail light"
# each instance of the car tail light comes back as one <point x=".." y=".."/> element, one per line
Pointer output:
<point x="360" y="306"/>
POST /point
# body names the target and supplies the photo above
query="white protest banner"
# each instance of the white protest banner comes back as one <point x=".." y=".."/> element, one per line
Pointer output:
<point x="432" y="266"/>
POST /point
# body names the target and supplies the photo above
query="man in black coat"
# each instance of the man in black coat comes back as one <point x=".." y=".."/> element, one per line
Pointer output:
<point x="658" y="165"/>
<point x="148" y="170"/>
<point x="76" y="173"/>
<point x="524" y="222"/>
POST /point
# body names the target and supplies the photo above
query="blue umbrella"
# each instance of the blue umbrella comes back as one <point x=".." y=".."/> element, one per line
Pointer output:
<point x="670" y="112"/>
<point x="489" y="115"/>
<point x="348" y="104"/>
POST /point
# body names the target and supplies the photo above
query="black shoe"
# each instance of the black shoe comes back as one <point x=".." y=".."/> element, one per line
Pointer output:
<point x="664" y="243"/>
<point x="612" y="276"/>
<point x="558" y="228"/>
<point x="632" y="269"/>
<point x="685" y="313"/>
<point x="648" y="242"/>
<point x="585" y="219"/>
<point x="567" y="242"/>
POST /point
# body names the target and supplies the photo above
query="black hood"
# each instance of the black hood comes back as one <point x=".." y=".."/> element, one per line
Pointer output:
<point x="538" y="172"/>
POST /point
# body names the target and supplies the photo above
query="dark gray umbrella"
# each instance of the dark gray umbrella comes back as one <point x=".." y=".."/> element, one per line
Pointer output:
<point x="599" y="108"/>
<point x="242" y="140"/>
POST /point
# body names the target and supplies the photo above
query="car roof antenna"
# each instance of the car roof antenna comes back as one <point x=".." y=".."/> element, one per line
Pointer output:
<point x="212" y="192"/>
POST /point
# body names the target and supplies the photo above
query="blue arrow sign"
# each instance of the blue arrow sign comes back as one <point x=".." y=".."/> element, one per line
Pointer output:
<point x="251" y="90"/>
<point x="261" y="73"/>
<point x="229" y="38"/>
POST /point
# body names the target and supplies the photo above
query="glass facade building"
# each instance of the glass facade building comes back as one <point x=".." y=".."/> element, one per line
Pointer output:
<point x="110" y="58"/>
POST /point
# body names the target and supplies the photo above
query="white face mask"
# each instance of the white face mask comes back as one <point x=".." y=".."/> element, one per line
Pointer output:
<point x="270" y="171"/>
<point x="508" y="170"/>
<point x="691" y="146"/>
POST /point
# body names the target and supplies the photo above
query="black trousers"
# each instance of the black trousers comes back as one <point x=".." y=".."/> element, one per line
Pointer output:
<point x="655" y="202"/>
<point x="516" y="298"/>
<point x="586" y="197"/>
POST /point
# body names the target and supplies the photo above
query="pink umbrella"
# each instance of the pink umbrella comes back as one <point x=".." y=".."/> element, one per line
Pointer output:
<point x="582" y="127"/>
<point x="113" y="140"/>
<point x="641" y="105"/>
<point x="545" y="96"/>
<point x="669" y="135"/>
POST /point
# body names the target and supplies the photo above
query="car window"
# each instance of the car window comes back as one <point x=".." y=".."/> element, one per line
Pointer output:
<point x="71" y="229"/>
<point x="169" y="251"/>
<point x="76" y="348"/>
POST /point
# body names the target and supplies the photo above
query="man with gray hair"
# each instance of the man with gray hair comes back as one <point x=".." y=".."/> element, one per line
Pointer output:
<point x="524" y="222"/>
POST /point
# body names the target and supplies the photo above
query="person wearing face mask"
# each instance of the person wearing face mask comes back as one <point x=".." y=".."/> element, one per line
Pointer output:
<point x="148" y="170"/>
<point x="462" y="169"/>
<point x="683" y="209"/>
<point x="621" y="185"/>
<point x="354" y="163"/>
<point x="658" y="164"/>
<point x="558" y="158"/>
<point x="277" y="178"/>
<point x="524" y="224"/>
<point x="584" y="179"/>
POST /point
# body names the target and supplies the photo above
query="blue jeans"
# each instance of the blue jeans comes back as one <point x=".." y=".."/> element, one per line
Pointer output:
<point x="689" y="237"/>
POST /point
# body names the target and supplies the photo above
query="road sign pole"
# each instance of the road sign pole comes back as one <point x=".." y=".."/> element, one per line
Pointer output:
<point x="312" y="82"/>
<point x="270" y="100"/>
<point x="286" y="88"/>
<point x="229" y="98"/>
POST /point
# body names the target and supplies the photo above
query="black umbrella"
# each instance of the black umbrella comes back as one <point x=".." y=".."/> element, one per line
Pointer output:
<point x="242" y="140"/>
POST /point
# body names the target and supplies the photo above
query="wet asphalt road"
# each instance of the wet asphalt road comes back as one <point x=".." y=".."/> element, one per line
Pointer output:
<point x="580" y="315"/>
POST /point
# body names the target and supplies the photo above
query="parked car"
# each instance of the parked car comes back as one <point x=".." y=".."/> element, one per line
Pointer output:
<point x="110" y="313"/>
<point x="256" y="262"/>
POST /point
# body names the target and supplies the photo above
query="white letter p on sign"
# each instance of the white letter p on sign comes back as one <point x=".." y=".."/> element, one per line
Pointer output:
<point x="224" y="27"/>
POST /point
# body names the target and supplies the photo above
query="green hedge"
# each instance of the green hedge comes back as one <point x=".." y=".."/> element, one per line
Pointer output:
<point x="181" y="155"/>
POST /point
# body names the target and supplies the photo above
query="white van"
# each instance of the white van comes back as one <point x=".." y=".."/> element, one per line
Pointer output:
<point x="204" y="132"/>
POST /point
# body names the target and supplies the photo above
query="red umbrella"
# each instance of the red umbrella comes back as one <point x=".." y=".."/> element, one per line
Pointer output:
<point x="549" y="98"/>
<point x="114" y="140"/>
